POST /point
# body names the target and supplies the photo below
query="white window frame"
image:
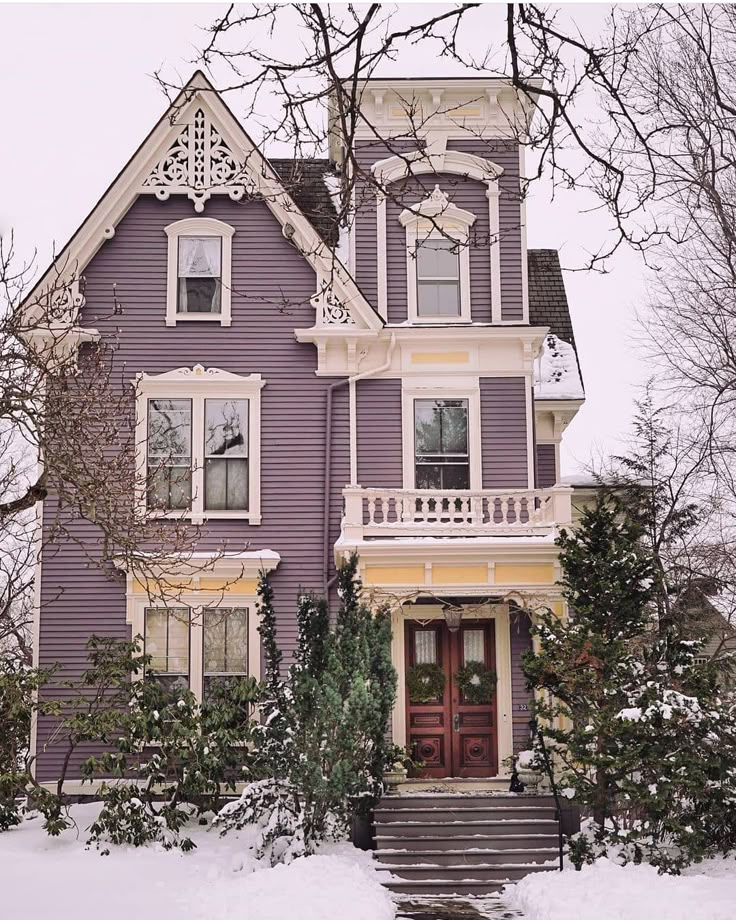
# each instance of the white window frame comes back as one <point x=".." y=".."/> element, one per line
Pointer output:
<point x="197" y="602"/>
<point x="199" y="226"/>
<point x="437" y="218"/>
<point x="199" y="384"/>
<point x="428" y="389"/>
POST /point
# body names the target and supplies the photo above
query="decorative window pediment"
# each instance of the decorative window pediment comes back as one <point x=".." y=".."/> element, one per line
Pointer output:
<point x="437" y="260"/>
<point x="198" y="164"/>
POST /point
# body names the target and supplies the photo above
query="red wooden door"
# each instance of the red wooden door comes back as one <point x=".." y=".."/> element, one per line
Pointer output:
<point x="451" y="736"/>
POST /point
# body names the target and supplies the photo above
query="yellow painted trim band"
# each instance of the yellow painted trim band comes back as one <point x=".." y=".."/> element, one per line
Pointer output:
<point x="393" y="575"/>
<point x="508" y="574"/>
<point x="440" y="357"/>
<point x="459" y="574"/>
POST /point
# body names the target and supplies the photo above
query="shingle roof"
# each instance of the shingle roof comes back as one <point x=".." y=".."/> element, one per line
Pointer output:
<point x="547" y="297"/>
<point x="304" y="180"/>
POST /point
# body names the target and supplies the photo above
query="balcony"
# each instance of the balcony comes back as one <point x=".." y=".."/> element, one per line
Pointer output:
<point x="371" y="513"/>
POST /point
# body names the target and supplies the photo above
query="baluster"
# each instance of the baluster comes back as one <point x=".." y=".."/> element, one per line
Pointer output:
<point x="371" y="510"/>
<point x="424" y="512"/>
<point x="408" y="509"/>
<point x="505" y="501"/>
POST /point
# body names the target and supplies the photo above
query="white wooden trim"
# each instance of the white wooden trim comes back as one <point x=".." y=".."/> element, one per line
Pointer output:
<point x="381" y="254"/>
<point x="530" y="449"/>
<point x="524" y="247"/>
<point x="452" y="388"/>
<point x="199" y="384"/>
<point x="36" y="625"/>
<point x="499" y="613"/>
<point x="199" y="226"/>
<point x="493" y="192"/>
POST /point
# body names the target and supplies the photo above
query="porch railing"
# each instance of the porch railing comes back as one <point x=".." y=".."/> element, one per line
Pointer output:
<point x="460" y="512"/>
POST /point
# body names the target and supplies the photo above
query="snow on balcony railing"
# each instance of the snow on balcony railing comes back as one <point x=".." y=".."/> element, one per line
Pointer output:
<point x="460" y="512"/>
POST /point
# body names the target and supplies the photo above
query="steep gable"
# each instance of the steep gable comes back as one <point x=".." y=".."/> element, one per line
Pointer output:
<point x="198" y="149"/>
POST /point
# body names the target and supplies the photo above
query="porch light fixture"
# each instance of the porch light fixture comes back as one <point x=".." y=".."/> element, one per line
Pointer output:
<point x="453" y="616"/>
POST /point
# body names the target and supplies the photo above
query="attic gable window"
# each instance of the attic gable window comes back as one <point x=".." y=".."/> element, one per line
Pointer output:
<point x="199" y="276"/>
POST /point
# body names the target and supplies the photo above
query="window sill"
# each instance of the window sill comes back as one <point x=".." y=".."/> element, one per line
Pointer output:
<point x="218" y="318"/>
<point x="201" y="517"/>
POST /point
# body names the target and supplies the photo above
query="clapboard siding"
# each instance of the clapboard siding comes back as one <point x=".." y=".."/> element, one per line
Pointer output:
<point x="546" y="466"/>
<point x="272" y="285"/>
<point x="503" y="432"/>
<point x="465" y="193"/>
<point x="379" y="433"/>
<point x="520" y="696"/>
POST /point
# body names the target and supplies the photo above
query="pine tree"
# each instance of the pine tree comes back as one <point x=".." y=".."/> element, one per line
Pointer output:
<point x="641" y="737"/>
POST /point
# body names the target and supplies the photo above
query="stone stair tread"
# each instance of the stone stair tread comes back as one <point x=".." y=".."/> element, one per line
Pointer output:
<point x="475" y="851"/>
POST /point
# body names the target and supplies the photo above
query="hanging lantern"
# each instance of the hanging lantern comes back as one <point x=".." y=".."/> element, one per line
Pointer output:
<point x="453" y="616"/>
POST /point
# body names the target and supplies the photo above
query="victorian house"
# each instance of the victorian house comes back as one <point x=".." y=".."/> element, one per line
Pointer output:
<point x="404" y="399"/>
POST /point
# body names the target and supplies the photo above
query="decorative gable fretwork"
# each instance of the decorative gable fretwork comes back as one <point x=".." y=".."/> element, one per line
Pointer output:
<point x="198" y="164"/>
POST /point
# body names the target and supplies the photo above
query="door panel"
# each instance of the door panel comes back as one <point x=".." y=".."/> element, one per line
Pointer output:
<point x="450" y="735"/>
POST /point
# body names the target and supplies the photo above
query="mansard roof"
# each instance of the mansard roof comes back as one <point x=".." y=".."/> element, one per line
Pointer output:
<point x="547" y="297"/>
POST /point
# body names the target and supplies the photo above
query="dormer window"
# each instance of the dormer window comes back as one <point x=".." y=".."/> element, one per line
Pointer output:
<point x="438" y="260"/>
<point x="438" y="278"/>
<point x="200" y="270"/>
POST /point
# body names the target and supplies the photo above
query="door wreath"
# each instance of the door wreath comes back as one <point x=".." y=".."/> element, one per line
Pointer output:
<point x="425" y="683"/>
<point x="476" y="681"/>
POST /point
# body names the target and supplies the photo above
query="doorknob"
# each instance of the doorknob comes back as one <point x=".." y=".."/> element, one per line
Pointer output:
<point x="456" y="722"/>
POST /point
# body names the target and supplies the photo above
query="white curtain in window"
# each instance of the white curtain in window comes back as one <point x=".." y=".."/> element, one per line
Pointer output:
<point x="425" y="646"/>
<point x="474" y="645"/>
<point x="199" y="257"/>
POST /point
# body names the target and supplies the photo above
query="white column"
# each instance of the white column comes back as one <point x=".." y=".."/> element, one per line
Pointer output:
<point x="492" y="193"/>
<point x="398" y="716"/>
<point x="504" y="702"/>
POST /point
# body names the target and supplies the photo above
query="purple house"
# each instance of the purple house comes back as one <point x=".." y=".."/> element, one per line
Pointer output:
<point x="404" y="399"/>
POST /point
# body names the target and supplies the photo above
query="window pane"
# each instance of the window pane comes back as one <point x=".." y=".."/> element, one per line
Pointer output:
<point x="428" y="476"/>
<point x="474" y="645"/>
<point x="226" y="485"/>
<point x="226" y="428"/>
<point x="454" y="422"/>
<point x="169" y="428"/>
<point x="215" y="493"/>
<point x="438" y="259"/>
<point x="455" y="476"/>
<point x="237" y="484"/>
<point x="167" y="640"/>
<point x="425" y="646"/>
<point x="428" y="432"/>
<point x="441" y="426"/>
<point x="199" y="295"/>
<point x="438" y="298"/>
<point x="199" y="256"/>
<point x="226" y="641"/>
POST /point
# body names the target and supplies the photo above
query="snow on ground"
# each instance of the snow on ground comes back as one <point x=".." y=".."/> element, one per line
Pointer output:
<point x="607" y="891"/>
<point x="41" y="877"/>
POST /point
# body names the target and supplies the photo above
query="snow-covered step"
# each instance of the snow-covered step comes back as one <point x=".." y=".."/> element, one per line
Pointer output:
<point x="462" y="828"/>
<point x="443" y="887"/>
<point x="442" y="842"/>
<point x="451" y="857"/>
<point x="474" y="813"/>
<point x="464" y="800"/>
<point x="510" y="872"/>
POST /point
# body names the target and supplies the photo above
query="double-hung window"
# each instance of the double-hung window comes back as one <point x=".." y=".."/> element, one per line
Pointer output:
<point x="438" y="278"/>
<point x="166" y="641"/>
<point x="200" y="274"/>
<point x="224" y="646"/>
<point x="199" y="278"/>
<point x="441" y="448"/>
<point x="201" y="452"/>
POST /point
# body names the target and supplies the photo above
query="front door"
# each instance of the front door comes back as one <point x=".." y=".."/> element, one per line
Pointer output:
<point x="451" y="735"/>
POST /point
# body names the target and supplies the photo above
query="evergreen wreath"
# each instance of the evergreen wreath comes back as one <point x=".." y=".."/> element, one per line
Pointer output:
<point x="425" y="683"/>
<point x="477" y="682"/>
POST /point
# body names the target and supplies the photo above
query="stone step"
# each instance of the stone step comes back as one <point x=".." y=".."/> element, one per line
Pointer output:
<point x="439" y="888"/>
<point x="436" y="814"/>
<point x="478" y="873"/>
<point x="466" y="857"/>
<point x="442" y="842"/>
<point x="467" y="828"/>
<point x="476" y="800"/>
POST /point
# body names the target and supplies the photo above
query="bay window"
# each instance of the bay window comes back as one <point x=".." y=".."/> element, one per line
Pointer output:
<point x="166" y="641"/>
<point x="224" y="645"/>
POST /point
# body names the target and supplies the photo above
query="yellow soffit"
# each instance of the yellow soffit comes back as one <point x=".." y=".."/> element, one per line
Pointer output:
<point x="167" y="586"/>
<point x="459" y="574"/>
<point x="440" y="357"/>
<point x="393" y="575"/>
<point x="509" y="574"/>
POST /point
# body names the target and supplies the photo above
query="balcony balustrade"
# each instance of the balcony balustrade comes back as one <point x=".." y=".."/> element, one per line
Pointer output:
<point x="454" y="513"/>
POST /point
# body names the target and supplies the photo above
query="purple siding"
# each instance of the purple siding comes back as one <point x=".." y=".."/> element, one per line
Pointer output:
<point x="466" y="193"/>
<point x="503" y="432"/>
<point x="546" y="466"/>
<point x="379" y="433"/>
<point x="521" y="697"/>
<point x="271" y="288"/>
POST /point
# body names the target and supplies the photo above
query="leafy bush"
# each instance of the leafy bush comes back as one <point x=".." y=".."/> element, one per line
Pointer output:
<point x="322" y="740"/>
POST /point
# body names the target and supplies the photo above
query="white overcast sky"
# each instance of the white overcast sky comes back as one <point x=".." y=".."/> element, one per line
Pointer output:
<point x="78" y="97"/>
